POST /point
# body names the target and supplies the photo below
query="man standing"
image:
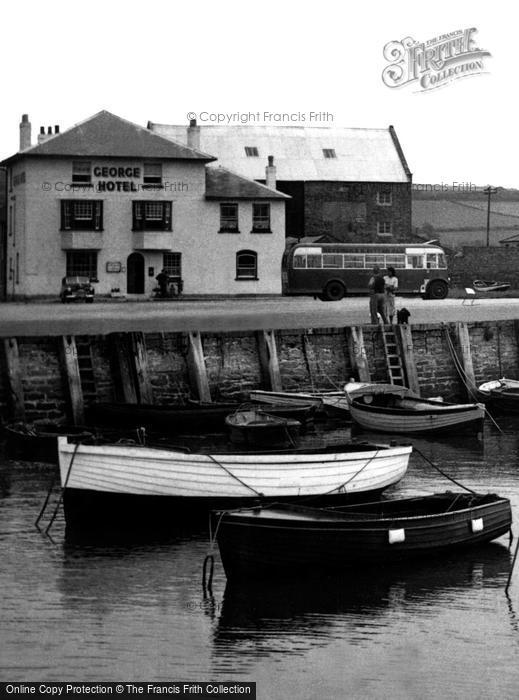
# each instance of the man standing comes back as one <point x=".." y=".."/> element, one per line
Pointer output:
<point x="377" y="299"/>
<point x="163" y="280"/>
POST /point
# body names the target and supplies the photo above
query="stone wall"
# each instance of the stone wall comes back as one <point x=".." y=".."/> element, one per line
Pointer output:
<point x="308" y="359"/>
<point x="481" y="262"/>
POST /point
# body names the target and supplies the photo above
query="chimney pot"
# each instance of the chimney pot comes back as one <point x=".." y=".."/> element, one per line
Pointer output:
<point x="193" y="134"/>
<point x="25" y="132"/>
<point x="56" y="129"/>
<point x="42" y="129"/>
<point x="49" y="130"/>
<point x="270" y="173"/>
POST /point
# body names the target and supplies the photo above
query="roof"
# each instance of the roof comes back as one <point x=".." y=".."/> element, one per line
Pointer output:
<point x="104" y="134"/>
<point x="221" y="183"/>
<point x="362" y="155"/>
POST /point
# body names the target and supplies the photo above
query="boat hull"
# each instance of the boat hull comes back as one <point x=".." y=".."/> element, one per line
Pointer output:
<point x="174" y="419"/>
<point x="254" y="545"/>
<point x="418" y="422"/>
<point x="203" y="480"/>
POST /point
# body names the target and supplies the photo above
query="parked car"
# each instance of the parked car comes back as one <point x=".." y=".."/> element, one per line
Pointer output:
<point x="76" y="289"/>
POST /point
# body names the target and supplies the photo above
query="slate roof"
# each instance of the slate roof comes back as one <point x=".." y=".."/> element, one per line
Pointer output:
<point x="221" y="183"/>
<point x="362" y="155"/>
<point x="106" y="135"/>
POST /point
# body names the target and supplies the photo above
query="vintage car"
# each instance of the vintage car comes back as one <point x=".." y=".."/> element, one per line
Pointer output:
<point x="76" y="289"/>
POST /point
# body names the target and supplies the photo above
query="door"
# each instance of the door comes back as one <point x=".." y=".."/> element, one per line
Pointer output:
<point x="135" y="274"/>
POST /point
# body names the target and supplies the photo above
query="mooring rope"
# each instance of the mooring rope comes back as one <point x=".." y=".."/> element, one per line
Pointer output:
<point x="450" y="478"/>
<point x="229" y="472"/>
<point x="63" y="489"/>
<point x="339" y="488"/>
<point x="471" y="388"/>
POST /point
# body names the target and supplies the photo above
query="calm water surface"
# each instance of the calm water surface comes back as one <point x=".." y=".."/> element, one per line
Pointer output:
<point x="108" y="611"/>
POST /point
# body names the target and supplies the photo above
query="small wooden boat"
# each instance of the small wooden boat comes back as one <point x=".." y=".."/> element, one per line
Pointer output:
<point x="39" y="441"/>
<point x="490" y="286"/>
<point x="501" y="394"/>
<point x="171" y="419"/>
<point x="329" y="401"/>
<point x="290" y="539"/>
<point x="303" y="412"/>
<point x="252" y="426"/>
<point x="139" y="485"/>
<point x="395" y="409"/>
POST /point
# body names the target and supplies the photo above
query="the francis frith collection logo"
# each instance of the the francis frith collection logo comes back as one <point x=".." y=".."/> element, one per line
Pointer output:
<point x="435" y="62"/>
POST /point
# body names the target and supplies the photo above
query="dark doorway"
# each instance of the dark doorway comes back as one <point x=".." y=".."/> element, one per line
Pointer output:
<point x="135" y="274"/>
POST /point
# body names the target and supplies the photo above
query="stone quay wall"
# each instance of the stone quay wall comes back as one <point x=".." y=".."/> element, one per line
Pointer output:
<point x="37" y="380"/>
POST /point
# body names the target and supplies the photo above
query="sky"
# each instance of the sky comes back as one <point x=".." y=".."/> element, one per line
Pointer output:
<point x="163" y="61"/>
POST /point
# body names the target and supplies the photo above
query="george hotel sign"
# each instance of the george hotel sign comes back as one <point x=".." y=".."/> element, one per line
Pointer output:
<point x="435" y="62"/>
<point x="121" y="178"/>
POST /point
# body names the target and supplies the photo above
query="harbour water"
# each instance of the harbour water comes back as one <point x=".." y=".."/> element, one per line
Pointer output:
<point x="135" y="610"/>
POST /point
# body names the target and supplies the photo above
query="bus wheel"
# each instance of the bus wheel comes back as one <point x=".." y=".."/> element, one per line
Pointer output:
<point x="438" y="289"/>
<point x="334" y="291"/>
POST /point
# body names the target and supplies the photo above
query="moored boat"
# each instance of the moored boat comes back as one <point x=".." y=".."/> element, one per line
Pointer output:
<point x="490" y="286"/>
<point x="112" y="483"/>
<point x="289" y="539"/>
<point x="500" y="394"/>
<point x="390" y="408"/>
<point x="252" y="426"/>
<point x="39" y="441"/>
<point x="171" y="419"/>
<point x="334" y="402"/>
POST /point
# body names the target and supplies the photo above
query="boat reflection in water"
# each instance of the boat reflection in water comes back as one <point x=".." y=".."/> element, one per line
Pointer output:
<point x="287" y="617"/>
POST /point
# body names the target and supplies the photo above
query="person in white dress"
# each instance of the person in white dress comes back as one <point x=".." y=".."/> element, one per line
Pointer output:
<point x="391" y="282"/>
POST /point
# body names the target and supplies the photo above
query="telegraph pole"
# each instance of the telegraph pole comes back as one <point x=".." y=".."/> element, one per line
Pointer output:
<point x="489" y="191"/>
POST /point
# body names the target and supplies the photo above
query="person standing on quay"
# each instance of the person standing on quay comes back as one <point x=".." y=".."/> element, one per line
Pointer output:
<point x="377" y="298"/>
<point x="391" y="282"/>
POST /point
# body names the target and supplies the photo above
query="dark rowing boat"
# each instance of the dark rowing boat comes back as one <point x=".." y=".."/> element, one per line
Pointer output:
<point x="254" y="427"/>
<point x="286" y="539"/>
<point x="171" y="419"/>
<point x="39" y="441"/>
<point x="501" y="394"/>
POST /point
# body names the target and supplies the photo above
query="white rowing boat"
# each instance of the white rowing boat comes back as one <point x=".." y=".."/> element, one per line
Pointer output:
<point x="97" y="476"/>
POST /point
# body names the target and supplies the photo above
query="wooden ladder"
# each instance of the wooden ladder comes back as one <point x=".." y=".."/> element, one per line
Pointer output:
<point x="395" y="368"/>
<point x="86" y="368"/>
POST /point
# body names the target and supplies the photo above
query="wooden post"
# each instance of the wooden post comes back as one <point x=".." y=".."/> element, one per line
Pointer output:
<point x="268" y="356"/>
<point x="13" y="379"/>
<point x="406" y="347"/>
<point x="139" y="359"/>
<point x="70" y="368"/>
<point x="357" y="352"/>
<point x="123" y="374"/>
<point x="197" y="368"/>
<point x="466" y="358"/>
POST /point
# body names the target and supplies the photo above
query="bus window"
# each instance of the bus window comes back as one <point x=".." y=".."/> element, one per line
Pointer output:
<point x="299" y="260"/>
<point x="314" y="261"/>
<point x="442" y="261"/>
<point x="331" y="260"/>
<point x="396" y="261"/>
<point x="432" y="261"/>
<point x="372" y="260"/>
<point x="415" y="262"/>
<point x="353" y="260"/>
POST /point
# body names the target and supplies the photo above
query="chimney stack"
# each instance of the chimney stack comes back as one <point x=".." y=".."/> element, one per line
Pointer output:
<point x="193" y="135"/>
<point x="25" y="132"/>
<point x="270" y="173"/>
